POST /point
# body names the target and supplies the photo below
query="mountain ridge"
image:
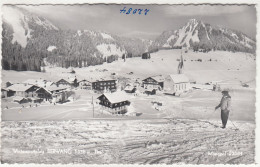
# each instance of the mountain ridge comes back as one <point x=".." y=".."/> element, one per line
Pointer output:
<point x="29" y="38"/>
<point x="196" y="33"/>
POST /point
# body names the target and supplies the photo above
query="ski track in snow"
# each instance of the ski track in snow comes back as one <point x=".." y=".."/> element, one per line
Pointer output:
<point x="171" y="141"/>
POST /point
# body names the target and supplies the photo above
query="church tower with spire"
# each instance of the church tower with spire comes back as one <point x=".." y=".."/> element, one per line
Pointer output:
<point x="181" y="65"/>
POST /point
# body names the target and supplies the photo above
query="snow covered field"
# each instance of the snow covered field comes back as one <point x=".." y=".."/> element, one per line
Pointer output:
<point x="174" y="141"/>
<point x="224" y="66"/>
<point x="186" y="129"/>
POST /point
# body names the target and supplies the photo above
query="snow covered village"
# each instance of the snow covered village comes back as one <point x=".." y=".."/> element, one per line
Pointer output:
<point x="123" y="99"/>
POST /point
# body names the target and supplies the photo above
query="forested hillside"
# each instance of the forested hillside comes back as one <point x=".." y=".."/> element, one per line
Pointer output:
<point x="15" y="57"/>
<point x="65" y="48"/>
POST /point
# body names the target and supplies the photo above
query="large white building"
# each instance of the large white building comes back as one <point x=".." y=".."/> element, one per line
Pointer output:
<point x="176" y="84"/>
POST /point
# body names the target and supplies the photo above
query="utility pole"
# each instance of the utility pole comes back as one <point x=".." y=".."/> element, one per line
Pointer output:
<point x="93" y="106"/>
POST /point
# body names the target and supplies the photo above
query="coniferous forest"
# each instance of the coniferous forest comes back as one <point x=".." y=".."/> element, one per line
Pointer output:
<point x="15" y="57"/>
<point x="71" y="50"/>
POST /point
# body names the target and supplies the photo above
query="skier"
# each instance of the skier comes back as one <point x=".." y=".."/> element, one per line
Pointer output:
<point x="225" y="105"/>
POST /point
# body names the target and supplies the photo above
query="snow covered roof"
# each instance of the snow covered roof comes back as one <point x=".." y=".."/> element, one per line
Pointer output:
<point x="179" y="78"/>
<point x="158" y="78"/>
<point x="201" y="86"/>
<point x="34" y="81"/>
<point x="39" y="82"/>
<point x="18" y="98"/>
<point x="69" y="79"/>
<point x="48" y="83"/>
<point x="4" y="89"/>
<point x="44" y="89"/>
<point x="20" y="87"/>
<point x="35" y="98"/>
<point x="58" y="80"/>
<point x="116" y="97"/>
<point x="129" y="88"/>
<point x="100" y="79"/>
<point x="82" y="80"/>
<point x="55" y="87"/>
<point x="149" y="89"/>
<point x="72" y="79"/>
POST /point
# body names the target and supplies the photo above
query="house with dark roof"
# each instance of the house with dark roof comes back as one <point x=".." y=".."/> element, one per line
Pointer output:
<point x="154" y="83"/>
<point x="115" y="102"/>
<point x="176" y="84"/>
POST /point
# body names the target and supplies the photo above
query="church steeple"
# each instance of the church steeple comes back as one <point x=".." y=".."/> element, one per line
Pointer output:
<point x="181" y="65"/>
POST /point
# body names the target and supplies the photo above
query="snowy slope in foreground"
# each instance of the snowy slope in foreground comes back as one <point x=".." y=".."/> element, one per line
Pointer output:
<point x="175" y="141"/>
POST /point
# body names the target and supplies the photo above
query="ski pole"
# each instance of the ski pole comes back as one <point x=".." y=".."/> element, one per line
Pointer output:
<point x="233" y="124"/>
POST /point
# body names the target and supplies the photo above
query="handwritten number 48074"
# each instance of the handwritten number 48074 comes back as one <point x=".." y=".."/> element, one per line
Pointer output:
<point x="134" y="11"/>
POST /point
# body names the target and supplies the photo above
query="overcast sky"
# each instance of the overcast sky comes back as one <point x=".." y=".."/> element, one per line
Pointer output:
<point x="160" y="18"/>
